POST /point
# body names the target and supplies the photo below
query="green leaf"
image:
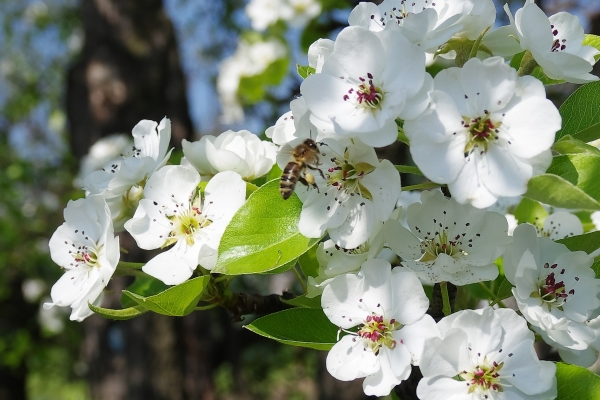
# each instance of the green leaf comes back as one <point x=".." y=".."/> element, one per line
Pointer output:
<point x="582" y="170"/>
<point x="144" y="285"/>
<point x="126" y="313"/>
<point x="176" y="301"/>
<point x="280" y="270"/>
<point x="576" y="383"/>
<point x="594" y="41"/>
<point x="302" y="327"/>
<point x="558" y="192"/>
<point x="304" y="70"/>
<point x="309" y="263"/>
<point x="568" y="145"/>
<point x="505" y="290"/>
<point x="515" y="62"/>
<point x="596" y="268"/>
<point x="588" y="242"/>
<point x="530" y="211"/>
<point x="303" y="301"/>
<point x="263" y="235"/>
<point x="408" y="169"/>
<point x="581" y="113"/>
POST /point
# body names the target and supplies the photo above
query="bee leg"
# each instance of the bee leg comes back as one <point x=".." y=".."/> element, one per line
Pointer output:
<point x="316" y="169"/>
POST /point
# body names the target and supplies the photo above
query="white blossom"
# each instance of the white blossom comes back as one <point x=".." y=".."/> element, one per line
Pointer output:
<point x="335" y="260"/>
<point x="561" y="224"/>
<point x="447" y="241"/>
<point x="368" y="81"/>
<point x="388" y="307"/>
<point x="151" y="142"/>
<point x="264" y="13"/>
<point x="241" y="152"/>
<point x="85" y="246"/>
<point x="428" y="24"/>
<point x="556" y="43"/>
<point x="102" y="153"/>
<point x="555" y="288"/>
<point x="485" y="133"/>
<point x="492" y="353"/>
<point x="174" y="213"/>
<point x="357" y="191"/>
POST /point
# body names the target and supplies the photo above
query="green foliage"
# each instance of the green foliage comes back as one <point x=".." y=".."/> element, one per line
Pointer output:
<point x="303" y="301"/>
<point x="537" y="72"/>
<point x="303" y="327"/>
<point x="176" y="301"/>
<point x="587" y="242"/>
<point x="263" y="235"/>
<point x="304" y="70"/>
<point x="252" y="88"/>
<point x="144" y="285"/>
<point x="530" y="211"/>
<point x="576" y="383"/>
<point x="581" y="118"/>
<point x="594" y="41"/>
<point x="559" y="192"/>
<point x="124" y="314"/>
<point x="309" y="263"/>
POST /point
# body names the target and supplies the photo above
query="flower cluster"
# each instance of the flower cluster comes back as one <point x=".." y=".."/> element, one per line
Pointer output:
<point x="480" y="131"/>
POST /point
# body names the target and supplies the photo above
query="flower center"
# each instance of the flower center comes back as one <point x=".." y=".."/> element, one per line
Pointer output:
<point x="86" y="256"/>
<point x="377" y="332"/>
<point x="187" y="224"/>
<point x="441" y="244"/>
<point x="558" y="44"/>
<point x="484" y="377"/>
<point x="551" y="292"/>
<point x="347" y="176"/>
<point x="482" y="131"/>
<point x="368" y="95"/>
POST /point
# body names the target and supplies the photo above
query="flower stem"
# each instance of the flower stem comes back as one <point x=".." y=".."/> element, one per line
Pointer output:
<point x="300" y="278"/>
<point x="208" y="307"/>
<point x="408" y="169"/>
<point x="130" y="265"/>
<point x="445" y="299"/>
<point x="426" y="185"/>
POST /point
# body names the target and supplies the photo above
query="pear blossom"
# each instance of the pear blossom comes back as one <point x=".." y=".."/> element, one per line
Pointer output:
<point x="447" y="241"/>
<point x="485" y="133"/>
<point x="318" y="53"/>
<point x="241" y="152"/>
<point x="335" y="260"/>
<point x="428" y="24"/>
<point x="586" y="357"/>
<point x="555" y="288"/>
<point x="151" y="142"/>
<point x="555" y="43"/>
<point x="172" y="212"/>
<point x="85" y="246"/>
<point x="388" y="307"/>
<point x="491" y="352"/>
<point x="368" y="81"/>
<point x="103" y="152"/>
<point x="356" y="191"/>
<point x="561" y="224"/>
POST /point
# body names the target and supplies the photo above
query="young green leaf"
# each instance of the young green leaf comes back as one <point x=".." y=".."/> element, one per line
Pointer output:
<point x="558" y="192"/>
<point x="144" y="285"/>
<point x="576" y="383"/>
<point x="582" y="170"/>
<point x="303" y="301"/>
<point x="126" y="313"/>
<point x="302" y="327"/>
<point x="304" y="70"/>
<point x="263" y="235"/>
<point x="530" y="211"/>
<point x="176" y="301"/>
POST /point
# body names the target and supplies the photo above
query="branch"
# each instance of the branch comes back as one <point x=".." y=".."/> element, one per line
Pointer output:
<point x="241" y="304"/>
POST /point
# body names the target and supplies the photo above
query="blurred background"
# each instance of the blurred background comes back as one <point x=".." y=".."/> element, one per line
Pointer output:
<point x="75" y="72"/>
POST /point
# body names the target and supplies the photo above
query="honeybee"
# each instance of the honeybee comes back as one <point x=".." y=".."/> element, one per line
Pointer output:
<point x="305" y="156"/>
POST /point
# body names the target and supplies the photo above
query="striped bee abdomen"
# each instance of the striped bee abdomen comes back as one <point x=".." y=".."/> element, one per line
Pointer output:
<point x="289" y="177"/>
